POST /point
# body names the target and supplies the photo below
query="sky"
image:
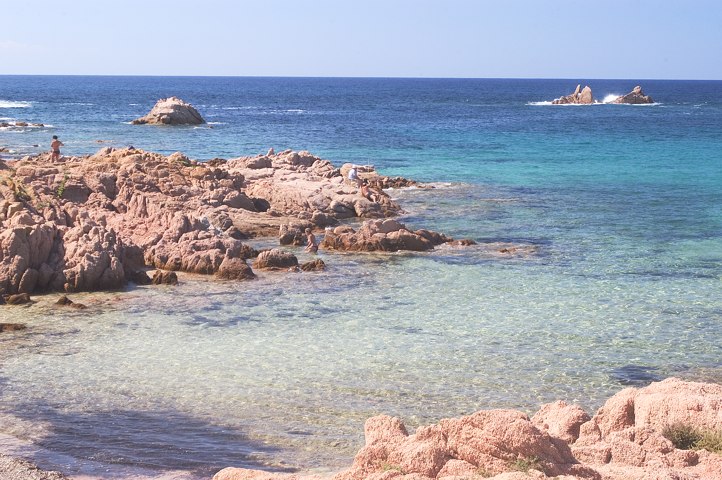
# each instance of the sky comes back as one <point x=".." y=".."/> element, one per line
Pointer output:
<point x="631" y="39"/>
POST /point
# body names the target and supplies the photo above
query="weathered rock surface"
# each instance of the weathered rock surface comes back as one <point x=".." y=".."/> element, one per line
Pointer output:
<point x="381" y="236"/>
<point x="275" y="259"/>
<point x="581" y="96"/>
<point x="93" y="223"/>
<point x="622" y="441"/>
<point x="635" y="97"/>
<point x="171" y="111"/>
<point x="18" y="469"/>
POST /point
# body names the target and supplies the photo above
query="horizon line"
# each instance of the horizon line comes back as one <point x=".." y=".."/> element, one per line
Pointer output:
<point x="351" y="77"/>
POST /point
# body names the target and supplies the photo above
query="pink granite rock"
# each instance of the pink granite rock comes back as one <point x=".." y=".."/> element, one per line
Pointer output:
<point x="498" y="444"/>
<point x="94" y="222"/>
<point x="381" y="235"/>
<point x="171" y="111"/>
<point x="561" y="420"/>
<point x="581" y="96"/>
<point x="635" y="97"/>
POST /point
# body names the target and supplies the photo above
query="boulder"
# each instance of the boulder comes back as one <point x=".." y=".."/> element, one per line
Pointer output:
<point x="161" y="277"/>
<point x="171" y="111"/>
<point x="561" y="420"/>
<point x="275" y="259"/>
<point x="235" y="269"/>
<point x="140" y="277"/>
<point x="381" y="236"/>
<point x="635" y="97"/>
<point x="581" y="96"/>
<point x="313" y="265"/>
<point x="17" y="299"/>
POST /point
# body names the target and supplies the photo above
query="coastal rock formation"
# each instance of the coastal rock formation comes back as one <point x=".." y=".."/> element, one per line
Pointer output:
<point x="18" y="469"/>
<point x="622" y="441"/>
<point x="171" y="111"/>
<point x="579" y="97"/>
<point x="635" y="97"/>
<point x="96" y="222"/>
<point x="381" y="236"/>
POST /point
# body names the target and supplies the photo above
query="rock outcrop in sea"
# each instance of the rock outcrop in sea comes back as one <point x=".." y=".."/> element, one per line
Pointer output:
<point x="97" y="222"/>
<point x="171" y="111"/>
<point x="635" y="97"/>
<point x="624" y="440"/>
<point x="579" y="97"/>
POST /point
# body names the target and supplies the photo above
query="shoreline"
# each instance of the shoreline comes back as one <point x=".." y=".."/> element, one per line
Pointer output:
<point x="626" y="438"/>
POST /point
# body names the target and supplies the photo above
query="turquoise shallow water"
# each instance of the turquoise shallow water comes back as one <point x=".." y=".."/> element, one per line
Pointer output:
<point x="620" y="204"/>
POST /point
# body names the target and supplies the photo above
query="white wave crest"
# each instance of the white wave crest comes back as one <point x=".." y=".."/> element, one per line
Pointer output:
<point x="610" y="98"/>
<point x="539" y="103"/>
<point x="14" y="104"/>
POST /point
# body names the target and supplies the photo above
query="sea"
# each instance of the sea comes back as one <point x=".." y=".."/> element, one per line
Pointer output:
<point x="611" y="214"/>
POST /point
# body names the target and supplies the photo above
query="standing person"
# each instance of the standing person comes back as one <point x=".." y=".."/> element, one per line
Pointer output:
<point x="353" y="175"/>
<point x="55" y="148"/>
<point x="312" y="247"/>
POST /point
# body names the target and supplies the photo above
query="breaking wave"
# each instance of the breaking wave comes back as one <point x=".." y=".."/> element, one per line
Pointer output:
<point x="14" y="104"/>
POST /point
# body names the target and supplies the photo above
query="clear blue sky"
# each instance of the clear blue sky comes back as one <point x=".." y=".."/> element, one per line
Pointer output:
<point x="671" y="39"/>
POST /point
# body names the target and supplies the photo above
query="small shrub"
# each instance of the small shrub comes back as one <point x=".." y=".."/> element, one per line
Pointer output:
<point x="483" y="472"/>
<point x="522" y="464"/>
<point x="385" y="467"/>
<point x="687" y="437"/>
<point x="61" y="187"/>
<point x="710" y="441"/>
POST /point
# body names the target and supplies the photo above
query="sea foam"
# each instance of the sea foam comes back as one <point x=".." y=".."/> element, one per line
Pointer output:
<point x="14" y="104"/>
<point x="610" y="98"/>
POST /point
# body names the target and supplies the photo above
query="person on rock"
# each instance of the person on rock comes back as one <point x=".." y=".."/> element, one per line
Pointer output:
<point x="55" y="148"/>
<point x="353" y="175"/>
<point x="312" y="246"/>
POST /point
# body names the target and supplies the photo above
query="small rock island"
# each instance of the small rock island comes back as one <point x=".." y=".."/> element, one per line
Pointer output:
<point x="171" y="111"/>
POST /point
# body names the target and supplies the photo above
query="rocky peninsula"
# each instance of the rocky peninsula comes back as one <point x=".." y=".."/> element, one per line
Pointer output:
<point x="99" y="221"/>
<point x="639" y="433"/>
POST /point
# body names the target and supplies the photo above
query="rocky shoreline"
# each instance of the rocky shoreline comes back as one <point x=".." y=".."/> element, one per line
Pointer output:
<point x="628" y="438"/>
<point x="634" y="435"/>
<point x="97" y="222"/>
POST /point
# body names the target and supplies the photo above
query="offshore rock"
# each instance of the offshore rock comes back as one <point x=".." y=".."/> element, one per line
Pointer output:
<point x="579" y="97"/>
<point x="635" y="97"/>
<point x="622" y="441"/>
<point x="171" y="111"/>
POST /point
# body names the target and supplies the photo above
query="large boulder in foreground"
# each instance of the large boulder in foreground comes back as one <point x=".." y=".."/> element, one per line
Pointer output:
<point x="581" y="96"/>
<point x="171" y="111"/>
<point x="635" y="97"/>
<point x="622" y="441"/>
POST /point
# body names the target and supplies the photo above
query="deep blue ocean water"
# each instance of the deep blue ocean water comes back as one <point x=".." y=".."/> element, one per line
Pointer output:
<point x="623" y="203"/>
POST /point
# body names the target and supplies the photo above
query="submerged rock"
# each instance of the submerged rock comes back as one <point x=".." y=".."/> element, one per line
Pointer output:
<point x="171" y="111"/>
<point x="635" y="97"/>
<point x="579" y="97"/>
<point x="11" y="327"/>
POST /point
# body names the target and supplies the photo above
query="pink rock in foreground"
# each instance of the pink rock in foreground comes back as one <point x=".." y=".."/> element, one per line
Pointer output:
<point x="623" y="441"/>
